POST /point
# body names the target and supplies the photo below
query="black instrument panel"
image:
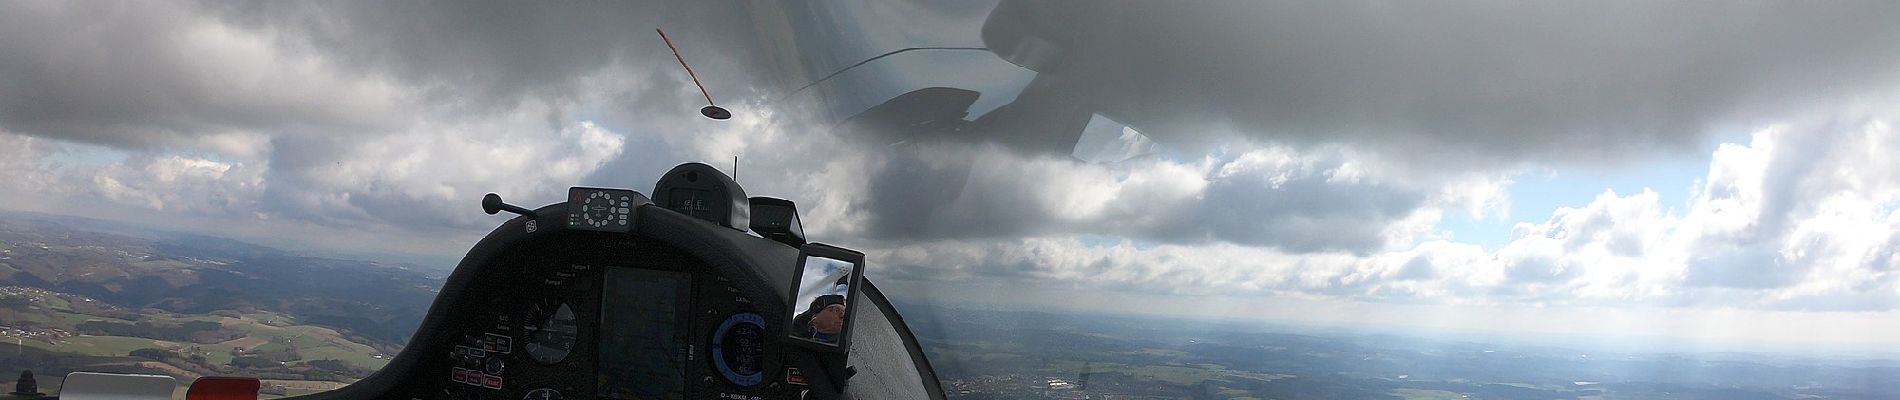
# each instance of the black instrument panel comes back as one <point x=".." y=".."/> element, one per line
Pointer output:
<point x="611" y="296"/>
<point x="597" y="315"/>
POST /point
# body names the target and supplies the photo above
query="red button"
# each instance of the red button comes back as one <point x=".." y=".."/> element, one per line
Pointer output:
<point x="794" y="377"/>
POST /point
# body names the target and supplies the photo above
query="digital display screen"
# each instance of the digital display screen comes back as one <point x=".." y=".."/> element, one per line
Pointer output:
<point x="642" y="349"/>
<point x="819" y="309"/>
<point x="775" y="216"/>
<point x="693" y="202"/>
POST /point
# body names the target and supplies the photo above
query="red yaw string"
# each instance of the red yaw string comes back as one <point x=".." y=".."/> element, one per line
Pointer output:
<point x="689" y="69"/>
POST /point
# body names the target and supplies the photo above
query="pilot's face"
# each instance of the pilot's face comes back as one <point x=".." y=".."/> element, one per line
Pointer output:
<point x="830" y="320"/>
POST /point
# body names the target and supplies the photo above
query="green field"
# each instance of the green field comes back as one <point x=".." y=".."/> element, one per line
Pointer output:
<point x="92" y="345"/>
<point x="255" y="332"/>
<point x="312" y="342"/>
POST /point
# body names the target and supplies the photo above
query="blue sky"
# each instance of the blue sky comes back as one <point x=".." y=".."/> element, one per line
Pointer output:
<point x="1536" y="191"/>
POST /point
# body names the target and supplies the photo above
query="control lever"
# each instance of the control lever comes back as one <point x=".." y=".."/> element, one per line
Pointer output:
<point x="491" y="203"/>
<point x="26" y="387"/>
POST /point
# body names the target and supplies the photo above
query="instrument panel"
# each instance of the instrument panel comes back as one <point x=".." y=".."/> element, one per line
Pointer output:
<point x="594" y="315"/>
<point x="612" y="295"/>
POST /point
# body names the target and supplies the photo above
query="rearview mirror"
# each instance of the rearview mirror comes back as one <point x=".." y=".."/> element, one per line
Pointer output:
<point x="823" y="294"/>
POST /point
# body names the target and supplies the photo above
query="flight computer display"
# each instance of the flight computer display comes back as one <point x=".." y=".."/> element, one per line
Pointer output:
<point x="645" y="357"/>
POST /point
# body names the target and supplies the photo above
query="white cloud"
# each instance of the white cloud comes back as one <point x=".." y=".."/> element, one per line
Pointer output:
<point x="181" y="184"/>
<point x="1829" y="243"/>
<point x="154" y="75"/>
<point x="23" y="163"/>
<point x="429" y="175"/>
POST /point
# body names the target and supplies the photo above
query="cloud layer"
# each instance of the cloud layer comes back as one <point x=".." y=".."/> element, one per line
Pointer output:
<point x="1468" y="82"/>
<point x="1305" y="151"/>
<point x="1803" y="217"/>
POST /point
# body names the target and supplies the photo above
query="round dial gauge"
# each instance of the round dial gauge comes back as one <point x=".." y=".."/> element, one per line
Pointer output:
<point x="738" y="349"/>
<point x="551" y="330"/>
<point x="542" y="394"/>
<point x="602" y="210"/>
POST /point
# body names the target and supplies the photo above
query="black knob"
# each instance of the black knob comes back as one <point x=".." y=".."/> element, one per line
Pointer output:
<point x="491" y="204"/>
<point x="27" y="386"/>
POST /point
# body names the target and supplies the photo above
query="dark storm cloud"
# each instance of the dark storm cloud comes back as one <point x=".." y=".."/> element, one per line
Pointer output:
<point x="141" y="74"/>
<point x="1273" y="197"/>
<point x="151" y="74"/>
<point x="1470" y="81"/>
<point x="1481" y="81"/>
<point x="1433" y="86"/>
<point x="356" y="114"/>
<point x="476" y="53"/>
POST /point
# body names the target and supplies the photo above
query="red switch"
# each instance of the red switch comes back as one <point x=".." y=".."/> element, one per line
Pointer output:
<point x="223" y="388"/>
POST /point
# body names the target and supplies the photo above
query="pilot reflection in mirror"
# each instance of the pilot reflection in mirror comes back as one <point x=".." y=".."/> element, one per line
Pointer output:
<point x="823" y="320"/>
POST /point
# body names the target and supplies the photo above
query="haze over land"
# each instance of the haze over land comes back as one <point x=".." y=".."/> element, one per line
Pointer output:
<point x="988" y="354"/>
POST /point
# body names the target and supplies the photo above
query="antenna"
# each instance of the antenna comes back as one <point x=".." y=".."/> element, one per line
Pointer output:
<point x="710" y="110"/>
<point x="735" y="168"/>
<point x="869" y="60"/>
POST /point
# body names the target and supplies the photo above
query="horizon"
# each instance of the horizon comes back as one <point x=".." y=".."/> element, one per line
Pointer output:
<point x="1607" y="174"/>
<point x="1156" y="309"/>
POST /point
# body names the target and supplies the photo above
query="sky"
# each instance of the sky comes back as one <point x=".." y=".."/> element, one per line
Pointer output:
<point x="1708" y="172"/>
